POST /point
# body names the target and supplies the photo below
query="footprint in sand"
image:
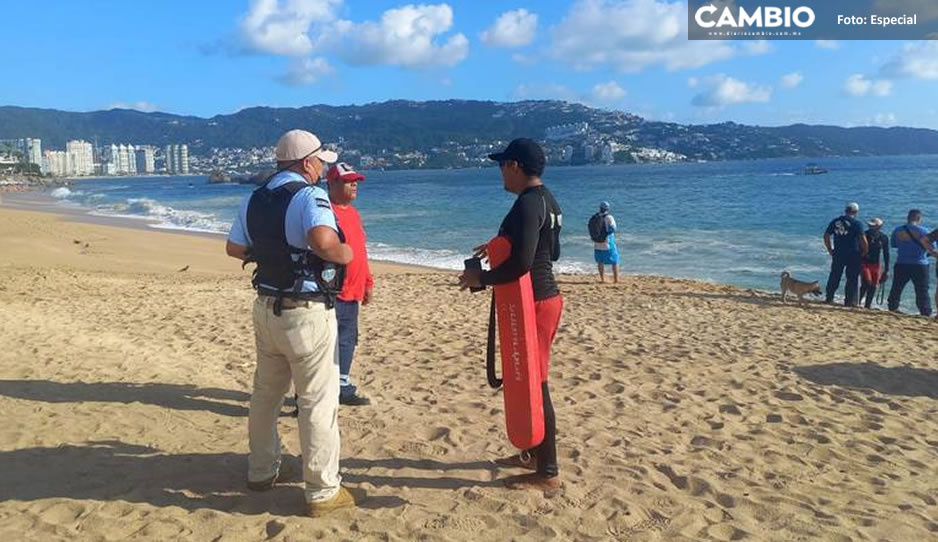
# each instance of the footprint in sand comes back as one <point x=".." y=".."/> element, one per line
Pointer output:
<point x="730" y="409"/>
<point x="614" y="388"/>
<point x="421" y="448"/>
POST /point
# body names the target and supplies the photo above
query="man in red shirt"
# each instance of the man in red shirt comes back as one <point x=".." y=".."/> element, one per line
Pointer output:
<point x="343" y="189"/>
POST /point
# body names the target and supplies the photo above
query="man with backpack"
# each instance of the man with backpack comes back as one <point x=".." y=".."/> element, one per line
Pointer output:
<point x="602" y="227"/>
<point x="913" y="246"/>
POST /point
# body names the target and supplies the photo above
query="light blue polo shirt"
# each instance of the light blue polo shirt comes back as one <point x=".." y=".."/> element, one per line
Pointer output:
<point x="909" y="248"/>
<point x="310" y="207"/>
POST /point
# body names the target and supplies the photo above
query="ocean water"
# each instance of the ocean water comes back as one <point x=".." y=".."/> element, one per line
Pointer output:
<point x="738" y="223"/>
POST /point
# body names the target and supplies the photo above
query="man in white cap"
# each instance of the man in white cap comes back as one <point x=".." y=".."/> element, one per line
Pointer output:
<point x="289" y="229"/>
<point x="849" y="247"/>
<point x="871" y="274"/>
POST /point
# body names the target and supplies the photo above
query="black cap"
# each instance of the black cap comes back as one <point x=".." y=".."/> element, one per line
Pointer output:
<point x="524" y="151"/>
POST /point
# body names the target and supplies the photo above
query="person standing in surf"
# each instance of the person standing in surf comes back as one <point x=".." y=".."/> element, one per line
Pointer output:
<point x="846" y="244"/>
<point x="871" y="274"/>
<point x="602" y="229"/>
<point x="533" y="226"/>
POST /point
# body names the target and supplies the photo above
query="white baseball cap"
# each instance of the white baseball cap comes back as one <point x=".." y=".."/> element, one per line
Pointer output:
<point x="852" y="206"/>
<point x="299" y="144"/>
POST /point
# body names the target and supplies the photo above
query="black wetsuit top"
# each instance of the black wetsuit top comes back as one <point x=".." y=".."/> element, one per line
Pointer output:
<point x="879" y="243"/>
<point x="533" y="226"/>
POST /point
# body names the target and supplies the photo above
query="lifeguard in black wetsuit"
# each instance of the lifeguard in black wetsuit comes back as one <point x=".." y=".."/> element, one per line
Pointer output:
<point x="533" y="226"/>
<point x="871" y="274"/>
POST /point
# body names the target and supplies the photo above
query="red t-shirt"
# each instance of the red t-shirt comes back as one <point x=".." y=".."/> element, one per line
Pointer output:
<point x="357" y="274"/>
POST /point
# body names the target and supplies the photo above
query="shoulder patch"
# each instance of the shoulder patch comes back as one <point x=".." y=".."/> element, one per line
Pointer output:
<point x="324" y="203"/>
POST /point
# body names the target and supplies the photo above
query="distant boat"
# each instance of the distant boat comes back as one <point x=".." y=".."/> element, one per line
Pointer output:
<point x="814" y="169"/>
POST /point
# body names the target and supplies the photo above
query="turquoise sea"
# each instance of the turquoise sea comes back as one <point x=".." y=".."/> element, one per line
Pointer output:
<point x="739" y="223"/>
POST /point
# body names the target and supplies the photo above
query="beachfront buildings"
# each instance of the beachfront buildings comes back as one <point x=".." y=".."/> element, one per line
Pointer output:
<point x="118" y="160"/>
<point x="24" y="149"/>
<point x="145" y="159"/>
<point x="567" y="131"/>
<point x="34" y="150"/>
<point x="55" y="163"/>
<point x="80" y="157"/>
<point x="176" y="159"/>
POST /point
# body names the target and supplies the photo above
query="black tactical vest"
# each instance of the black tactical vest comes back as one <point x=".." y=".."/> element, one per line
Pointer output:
<point x="282" y="268"/>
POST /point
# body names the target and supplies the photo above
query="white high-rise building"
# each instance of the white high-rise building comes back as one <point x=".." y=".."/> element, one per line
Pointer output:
<point x="145" y="159"/>
<point x="80" y="157"/>
<point x="55" y="163"/>
<point x="184" y="159"/>
<point x="34" y="150"/>
<point x="121" y="159"/>
<point x="169" y="159"/>
<point x="131" y="160"/>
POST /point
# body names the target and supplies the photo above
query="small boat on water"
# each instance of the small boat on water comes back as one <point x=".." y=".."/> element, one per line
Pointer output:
<point x="814" y="169"/>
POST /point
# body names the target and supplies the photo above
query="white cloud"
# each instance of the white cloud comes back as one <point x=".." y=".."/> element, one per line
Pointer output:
<point x="721" y="90"/>
<point x="792" y="80"/>
<point x="859" y="85"/>
<point x="631" y="35"/>
<point x="511" y="29"/>
<point x="306" y="71"/>
<point x="281" y="27"/>
<point x="408" y="36"/>
<point x="608" y="92"/>
<point x="827" y="44"/>
<point x="405" y="37"/>
<point x="758" y="47"/>
<point x="143" y="106"/>
<point x="918" y="60"/>
<point x="883" y="119"/>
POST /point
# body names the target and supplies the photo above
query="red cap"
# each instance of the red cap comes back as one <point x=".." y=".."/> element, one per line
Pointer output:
<point x="343" y="172"/>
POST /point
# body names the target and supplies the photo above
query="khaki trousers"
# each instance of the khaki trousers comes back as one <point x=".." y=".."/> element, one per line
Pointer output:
<point x="300" y="344"/>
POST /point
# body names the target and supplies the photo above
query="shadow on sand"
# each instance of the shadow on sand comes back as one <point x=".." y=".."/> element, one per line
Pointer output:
<point x="904" y="381"/>
<point x="397" y="464"/>
<point x="113" y="470"/>
<point x="175" y="396"/>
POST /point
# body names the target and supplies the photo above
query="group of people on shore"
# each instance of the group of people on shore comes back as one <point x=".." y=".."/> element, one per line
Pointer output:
<point x="862" y="255"/>
<point x="312" y="275"/>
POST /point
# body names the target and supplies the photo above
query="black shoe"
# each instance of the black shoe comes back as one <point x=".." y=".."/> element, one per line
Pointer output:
<point x="354" y="400"/>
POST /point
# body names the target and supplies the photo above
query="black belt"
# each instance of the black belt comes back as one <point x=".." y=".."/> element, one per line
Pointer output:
<point x="294" y="301"/>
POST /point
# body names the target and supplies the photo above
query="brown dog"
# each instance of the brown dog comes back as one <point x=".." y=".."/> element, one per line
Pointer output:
<point x="798" y="287"/>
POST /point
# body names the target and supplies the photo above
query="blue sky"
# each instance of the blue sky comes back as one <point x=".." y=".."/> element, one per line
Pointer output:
<point x="216" y="57"/>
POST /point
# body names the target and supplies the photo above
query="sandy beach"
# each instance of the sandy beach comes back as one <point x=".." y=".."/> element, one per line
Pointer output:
<point x="685" y="411"/>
